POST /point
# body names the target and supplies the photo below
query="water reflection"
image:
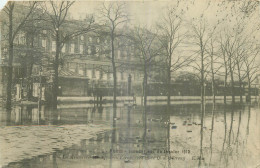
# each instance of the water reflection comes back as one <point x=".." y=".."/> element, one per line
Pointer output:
<point x="152" y="136"/>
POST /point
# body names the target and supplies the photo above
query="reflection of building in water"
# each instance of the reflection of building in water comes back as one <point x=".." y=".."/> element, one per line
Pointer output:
<point x="128" y="130"/>
<point x="128" y="135"/>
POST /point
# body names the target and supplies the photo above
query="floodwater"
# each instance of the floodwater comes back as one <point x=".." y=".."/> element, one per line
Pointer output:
<point x="83" y="136"/>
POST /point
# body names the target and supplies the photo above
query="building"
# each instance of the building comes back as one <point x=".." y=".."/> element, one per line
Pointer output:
<point x="85" y="66"/>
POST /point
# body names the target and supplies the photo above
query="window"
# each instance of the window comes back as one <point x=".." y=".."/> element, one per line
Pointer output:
<point x="97" y="74"/>
<point x="21" y="37"/>
<point x="43" y="43"/>
<point x="101" y="75"/>
<point x="44" y="31"/>
<point x="118" y="54"/>
<point x="89" y="73"/>
<point x="81" y="49"/>
<point x="72" y="48"/>
<point x="105" y="75"/>
<point x="122" y="76"/>
<point x="53" y="45"/>
<point x="90" y="39"/>
<point x="98" y="40"/>
<point x="109" y="76"/>
<point x="82" y="37"/>
<point x="72" y="66"/>
<point x="125" y="76"/>
<point x="81" y="69"/>
<point x="93" y="73"/>
<point x="89" y="50"/>
<point x="97" y="51"/>
<point x="118" y="74"/>
<point x="63" y="49"/>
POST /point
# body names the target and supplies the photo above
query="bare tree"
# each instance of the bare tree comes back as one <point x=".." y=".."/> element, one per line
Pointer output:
<point x="215" y="62"/>
<point x="239" y="57"/>
<point x="251" y="67"/>
<point x="230" y="49"/>
<point x="57" y="13"/>
<point x="15" y="23"/>
<point x="225" y="65"/>
<point x="115" y="16"/>
<point x="170" y="36"/>
<point x="200" y="38"/>
<point x="147" y="51"/>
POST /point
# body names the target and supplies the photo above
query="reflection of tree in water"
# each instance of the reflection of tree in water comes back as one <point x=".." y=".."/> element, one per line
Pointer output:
<point x="238" y="130"/>
<point x="113" y="137"/>
<point x="231" y="124"/>
<point x="201" y="130"/>
<point x="212" y="128"/>
<point x="249" y="115"/>
<point x="233" y="146"/>
<point x="225" y="135"/>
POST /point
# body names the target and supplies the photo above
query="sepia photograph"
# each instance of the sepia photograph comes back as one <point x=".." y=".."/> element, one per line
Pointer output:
<point x="130" y="84"/>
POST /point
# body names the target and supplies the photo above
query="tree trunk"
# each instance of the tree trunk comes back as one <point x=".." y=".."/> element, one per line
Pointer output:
<point x="10" y="62"/>
<point x="169" y="87"/>
<point x="232" y="80"/>
<point x="249" y="87"/>
<point x="56" y="68"/>
<point x="202" y="90"/>
<point x="225" y="80"/>
<point x="145" y="87"/>
<point x="240" y="82"/>
<point x="114" y="69"/>
<point x="213" y="80"/>
<point x="225" y="88"/>
<point x="29" y="82"/>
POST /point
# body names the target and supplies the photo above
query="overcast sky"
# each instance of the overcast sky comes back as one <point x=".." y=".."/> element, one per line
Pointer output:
<point x="148" y="13"/>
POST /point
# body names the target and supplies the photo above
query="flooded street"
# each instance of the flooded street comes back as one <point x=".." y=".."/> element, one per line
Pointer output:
<point x="130" y="136"/>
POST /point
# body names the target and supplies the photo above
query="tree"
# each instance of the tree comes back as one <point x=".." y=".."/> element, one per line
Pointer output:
<point x="62" y="31"/>
<point x="229" y="47"/>
<point x="225" y="65"/>
<point x="147" y="50"/>
<point x="170" y="37"/>
<point x="200" y="39"/>
<point x="16" y="21"/>
<point x="34" y="54"/>
<point x="251" y="67"/>
<point x="215" y="65"/>
<point x="114" y="15"/>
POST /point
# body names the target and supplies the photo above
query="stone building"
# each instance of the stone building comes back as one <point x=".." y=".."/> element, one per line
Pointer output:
<point x="85" y="66"/>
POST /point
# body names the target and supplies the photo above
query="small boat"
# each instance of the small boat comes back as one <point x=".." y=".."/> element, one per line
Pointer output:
<point x="127" y="160"/>
<point x="95" y="156"/>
